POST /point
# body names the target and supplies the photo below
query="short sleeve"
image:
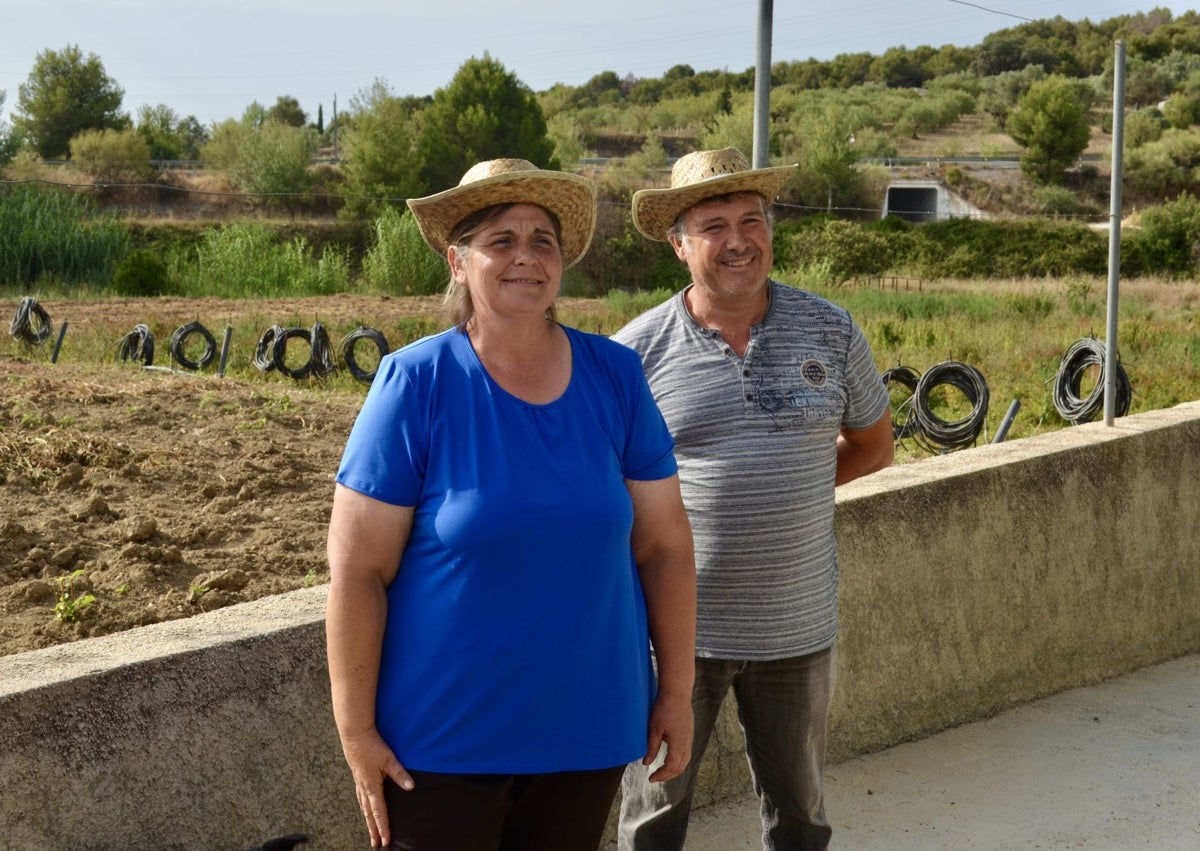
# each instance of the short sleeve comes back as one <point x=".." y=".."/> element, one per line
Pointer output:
<point x="385" y="455"/>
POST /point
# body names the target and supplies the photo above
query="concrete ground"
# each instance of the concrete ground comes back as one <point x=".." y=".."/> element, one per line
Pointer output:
<point x="1112" y="766"/>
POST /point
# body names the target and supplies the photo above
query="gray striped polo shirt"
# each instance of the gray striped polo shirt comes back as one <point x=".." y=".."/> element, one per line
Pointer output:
<point x="756" y="442"/>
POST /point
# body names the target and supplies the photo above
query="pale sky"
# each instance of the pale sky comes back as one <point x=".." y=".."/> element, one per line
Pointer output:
<point x="212" y="59"/>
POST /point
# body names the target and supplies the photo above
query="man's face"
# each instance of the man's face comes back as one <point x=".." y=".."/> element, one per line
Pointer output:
<point x="727" y="244"/>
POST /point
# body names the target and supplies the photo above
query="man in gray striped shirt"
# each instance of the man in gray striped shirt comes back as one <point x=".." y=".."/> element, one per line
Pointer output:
<point x="773" y="398"/>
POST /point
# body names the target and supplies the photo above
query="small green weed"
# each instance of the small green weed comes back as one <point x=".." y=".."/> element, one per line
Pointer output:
<point x="67" y="607"/>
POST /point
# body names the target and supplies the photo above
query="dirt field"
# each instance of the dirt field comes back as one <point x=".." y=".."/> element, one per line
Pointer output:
<point x="157" y="495"/>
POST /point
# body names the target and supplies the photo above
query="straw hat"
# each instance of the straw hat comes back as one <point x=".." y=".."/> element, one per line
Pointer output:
<point x="571" y="198"/>
<point x="700" y="175"/>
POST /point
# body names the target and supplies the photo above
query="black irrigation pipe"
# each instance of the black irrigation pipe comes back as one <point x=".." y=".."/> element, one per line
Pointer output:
<point x="137" y="345"/>
<point x="906" y="377"/>
<point x="348" y="357"/>
<point x="273" y="345"/>
<point x="913" y="417"/>
<point x="321" y="358"/>
<point x="30" y="323"/>
<point x="179" y="346"/>
<point x="1081" y="356"/>
<point x="279" y="352"/>
<point x="938" y="435"/>
<point x="270" y="353"/>
<point x="264" y="350"/>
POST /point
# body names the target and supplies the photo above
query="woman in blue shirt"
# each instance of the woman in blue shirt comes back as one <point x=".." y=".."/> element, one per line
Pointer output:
<point x="507" y="542"/>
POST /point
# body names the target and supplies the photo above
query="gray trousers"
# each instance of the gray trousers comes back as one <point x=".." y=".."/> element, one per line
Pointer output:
<point x="783" y="708"/>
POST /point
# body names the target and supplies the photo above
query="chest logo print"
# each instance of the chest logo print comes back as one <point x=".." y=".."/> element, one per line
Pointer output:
<point x="813" y="372"/>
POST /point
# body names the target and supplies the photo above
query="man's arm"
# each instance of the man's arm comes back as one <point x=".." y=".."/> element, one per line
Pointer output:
<point x="864" y="450"/>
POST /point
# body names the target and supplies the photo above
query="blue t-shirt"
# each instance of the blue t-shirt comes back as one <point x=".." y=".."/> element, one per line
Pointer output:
<point x="516" y="638"/>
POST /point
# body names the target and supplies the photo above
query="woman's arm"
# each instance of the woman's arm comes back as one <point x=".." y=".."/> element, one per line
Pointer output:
<point x="662" y="548"/>
<point x="366" y="540"/>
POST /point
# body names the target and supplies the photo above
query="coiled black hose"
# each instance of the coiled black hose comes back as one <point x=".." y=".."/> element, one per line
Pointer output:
<point x="264" y="357"/>
<point x="320" y="360"/>
<point x="178" y="346"/>
<point x="137" y="345"/>
<point x="904" y="424"/>
<point x="279" y="352"/>
<point x="30" y="323"/>
<point x="936" y="434"/>
<point x="1081" y="356"/>
<point x="347" y="350"/>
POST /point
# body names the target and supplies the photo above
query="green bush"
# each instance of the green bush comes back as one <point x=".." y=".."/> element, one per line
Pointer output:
<point x="1165" y="167"/>
<point x="141" y="273"/>
<point x="973" y="248"/>
<point x="623" y="259"/>
<point x="845" y="249"/>
<point x="399" y="261"/>
<point x="111" y="155"/>
<point x="1056" y="201"/>
<point x="1167" y="242"/>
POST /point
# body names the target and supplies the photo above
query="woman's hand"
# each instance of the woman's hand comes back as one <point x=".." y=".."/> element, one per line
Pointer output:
<point x="671" y="723"/>
<point x="371" y="762"/>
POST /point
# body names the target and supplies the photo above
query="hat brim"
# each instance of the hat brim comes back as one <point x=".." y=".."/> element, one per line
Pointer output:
<point x="655" y="210"/>
<point x="570" y="197"/>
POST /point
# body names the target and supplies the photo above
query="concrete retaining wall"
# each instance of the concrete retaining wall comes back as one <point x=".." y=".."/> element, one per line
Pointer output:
<point x="970" y="583"/>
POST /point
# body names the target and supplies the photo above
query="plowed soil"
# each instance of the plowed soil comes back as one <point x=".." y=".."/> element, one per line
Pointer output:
<point x="131" y="496"/>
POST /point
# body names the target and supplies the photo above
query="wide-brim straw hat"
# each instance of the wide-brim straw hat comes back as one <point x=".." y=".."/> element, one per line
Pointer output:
<point x="570" y="197"/>
<point x="698" y="176"/>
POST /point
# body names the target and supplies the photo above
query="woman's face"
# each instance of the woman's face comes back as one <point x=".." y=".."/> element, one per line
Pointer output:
<point x="512" y="266"/>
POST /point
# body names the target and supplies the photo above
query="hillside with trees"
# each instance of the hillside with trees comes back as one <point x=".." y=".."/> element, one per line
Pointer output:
<point x="1039" y="92"/>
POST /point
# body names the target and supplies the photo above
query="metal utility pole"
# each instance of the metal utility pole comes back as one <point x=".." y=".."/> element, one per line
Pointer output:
<point x="762" y="85"/>
<point x="1114" y="235"/>
<point x="336" y="157"/>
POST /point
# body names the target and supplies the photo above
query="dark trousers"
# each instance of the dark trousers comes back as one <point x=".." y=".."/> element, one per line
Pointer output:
<point x="783" y="707"/>
<point x="562" y="811"/>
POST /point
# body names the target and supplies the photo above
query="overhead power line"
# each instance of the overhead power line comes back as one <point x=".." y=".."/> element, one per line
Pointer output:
<point x="993" y="11"/>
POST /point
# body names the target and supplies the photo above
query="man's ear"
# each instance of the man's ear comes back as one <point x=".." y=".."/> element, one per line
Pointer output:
<point x="677" y="243"/>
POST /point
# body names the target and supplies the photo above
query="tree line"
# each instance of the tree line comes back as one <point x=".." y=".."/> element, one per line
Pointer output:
<point x="1045" y="85"/>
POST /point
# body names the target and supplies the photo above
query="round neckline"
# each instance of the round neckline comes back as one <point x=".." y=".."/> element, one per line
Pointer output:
<point x="492" y="382"/>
